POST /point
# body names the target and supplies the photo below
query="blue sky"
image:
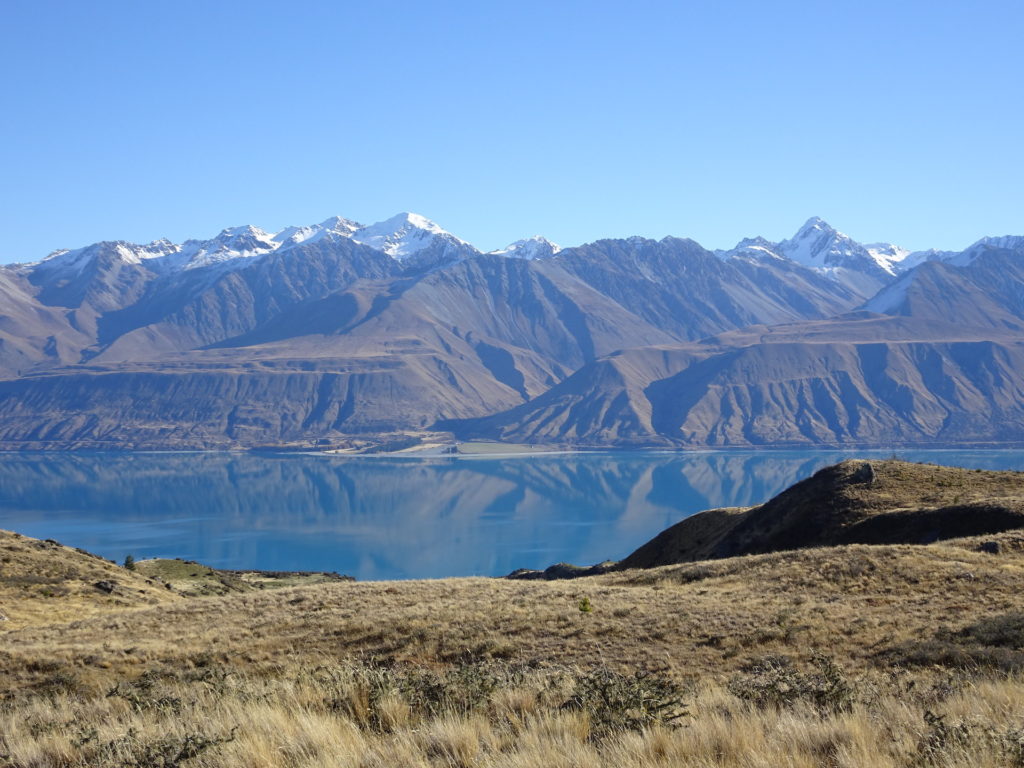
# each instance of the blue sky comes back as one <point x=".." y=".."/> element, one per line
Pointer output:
<point x="897" y="121"/>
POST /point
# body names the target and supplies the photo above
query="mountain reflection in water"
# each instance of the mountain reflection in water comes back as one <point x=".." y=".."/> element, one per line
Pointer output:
<point x="389" y="518"/>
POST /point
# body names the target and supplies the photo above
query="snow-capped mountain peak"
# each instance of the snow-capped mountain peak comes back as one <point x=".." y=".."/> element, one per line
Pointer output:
<point x="339" y="224"/>
<point x="244" y="242"/>
<point x="74" y="261"/>
<point x="888" y="256"/>
<point x="752" y="247"/>
<point x="824" y="249"/>
<point x="246" y="230"/>
<point x="1005" y="242"/>
<point x="404" y="235"/>
<point x="820" y="246"/>
<point x="535" y="247"/>
<point x="817" y="244"/>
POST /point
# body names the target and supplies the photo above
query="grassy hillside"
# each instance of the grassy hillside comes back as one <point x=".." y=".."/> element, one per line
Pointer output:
<point x="194" y="579"/>
<point x="855" y="655"/>
<point x="44" y="582"/>
<point x="868" y="502"/>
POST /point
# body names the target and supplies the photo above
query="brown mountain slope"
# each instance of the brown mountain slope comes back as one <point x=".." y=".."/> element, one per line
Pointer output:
<point x="857" y="380"/>
<point x="880" y="502"/>
<point x="332" y="340"/>
<point x="33" y="335"/>
<point x="380" y="357"/>
<point x="677" y="285"/>
<point x="252" y="403"/>
<point x="984" y="293"/>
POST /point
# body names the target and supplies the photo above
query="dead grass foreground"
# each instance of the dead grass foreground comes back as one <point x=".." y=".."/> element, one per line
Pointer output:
<point x="848" y="656"/>
<point x="364" y="716"/>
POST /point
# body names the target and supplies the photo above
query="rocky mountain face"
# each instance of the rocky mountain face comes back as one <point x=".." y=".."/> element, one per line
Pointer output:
<point x="678" y="285"/>
<point x="338" y="332"/>
<point x="816" y="245"/>
<point x="857" y="380"/>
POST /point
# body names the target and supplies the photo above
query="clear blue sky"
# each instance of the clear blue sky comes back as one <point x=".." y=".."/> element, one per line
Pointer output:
<point x="901" y="121"/>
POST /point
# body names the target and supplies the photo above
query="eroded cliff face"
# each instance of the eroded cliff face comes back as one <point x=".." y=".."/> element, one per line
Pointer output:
<point x="269" y="405"/>
<point x="776" y="389"/>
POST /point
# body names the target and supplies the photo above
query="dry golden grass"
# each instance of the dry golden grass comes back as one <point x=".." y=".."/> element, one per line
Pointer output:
<point x="696" y="619"/>
<point x="43" y="582"/>
<point x="299" y="719"/>
<point x="388" y="674"/>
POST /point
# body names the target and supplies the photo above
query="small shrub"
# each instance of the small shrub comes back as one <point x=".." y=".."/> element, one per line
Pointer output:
<point x="369" y="693"/>
<point x="958" y="741"/>
<point x="775" y="683"/>
<point x="130" y="751"/>
<point x="584" y="605"/>
<point x="941" y="739"/>
<point x="1004" y="631"/>
<point x="144" y="693"/>
<point x="617" y="702"/>
<point x="129" y="563"/>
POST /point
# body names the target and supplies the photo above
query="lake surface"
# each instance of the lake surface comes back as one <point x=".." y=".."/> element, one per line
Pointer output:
<point x="393" y="518"/>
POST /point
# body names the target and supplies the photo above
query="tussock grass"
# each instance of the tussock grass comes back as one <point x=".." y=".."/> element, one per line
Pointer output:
<point x="816" y="657"/>
<point x="331" y="717"/>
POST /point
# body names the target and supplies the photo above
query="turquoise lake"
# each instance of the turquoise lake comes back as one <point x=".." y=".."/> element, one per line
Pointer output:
<point x="394" y="518"/>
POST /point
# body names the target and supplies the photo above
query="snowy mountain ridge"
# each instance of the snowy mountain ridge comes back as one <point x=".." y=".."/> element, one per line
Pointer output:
<point x="865" y="267"/>
<point x="401" y="237"/>
<point x="821" y="247"/>
<point x="816" y="245"/>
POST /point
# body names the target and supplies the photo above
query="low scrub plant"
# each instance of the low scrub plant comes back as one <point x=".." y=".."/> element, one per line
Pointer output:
<point x="619" y="702"/>
<point x="776" y="682"/>
<point x="995" y="643"/>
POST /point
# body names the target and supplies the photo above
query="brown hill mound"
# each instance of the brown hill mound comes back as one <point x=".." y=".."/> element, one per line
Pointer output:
<point x="876" y="502"/>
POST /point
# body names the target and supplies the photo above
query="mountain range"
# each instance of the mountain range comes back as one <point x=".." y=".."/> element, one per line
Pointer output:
<point x="345" y="336"/>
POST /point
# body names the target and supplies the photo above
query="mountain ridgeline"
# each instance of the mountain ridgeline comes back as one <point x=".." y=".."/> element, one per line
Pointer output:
<point x="346" y="336"/>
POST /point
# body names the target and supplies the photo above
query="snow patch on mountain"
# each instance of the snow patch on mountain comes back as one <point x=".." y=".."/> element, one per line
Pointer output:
<point x="1004" y="243"/>
<point x="336" y="225"/>
<point x="888" y="256"/>
<point x="890" y="298"/>
<point x="245" y="242"/>
<point x="400" y="237"/>
<point x="816" y="245"/>
<point x="831" y="253"/>
<point x="74" y="261"/>
<point x="751" y="247"/>
<point x="535" y="247"/>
